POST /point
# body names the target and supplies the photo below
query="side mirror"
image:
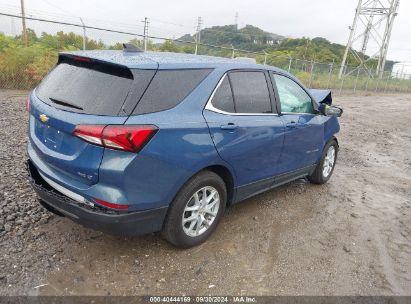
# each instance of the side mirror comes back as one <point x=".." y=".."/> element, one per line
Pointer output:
<point x="328" y="110"/>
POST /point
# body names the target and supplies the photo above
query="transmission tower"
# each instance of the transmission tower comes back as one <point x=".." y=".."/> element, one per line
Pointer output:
<point x="373" y="19"/>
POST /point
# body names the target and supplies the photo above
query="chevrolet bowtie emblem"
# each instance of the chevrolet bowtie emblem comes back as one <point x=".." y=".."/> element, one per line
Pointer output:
<point x="44" y="118"/>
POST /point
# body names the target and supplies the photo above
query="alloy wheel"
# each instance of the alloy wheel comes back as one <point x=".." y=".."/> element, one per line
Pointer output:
<point x="200" y="211"/>
<point x="329" y="161"/>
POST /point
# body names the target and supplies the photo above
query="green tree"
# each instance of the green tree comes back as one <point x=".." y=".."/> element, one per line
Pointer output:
<point x="170" y="46"/>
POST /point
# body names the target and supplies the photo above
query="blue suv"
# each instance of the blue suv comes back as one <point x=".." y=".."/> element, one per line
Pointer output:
<point x="130" y="142"/>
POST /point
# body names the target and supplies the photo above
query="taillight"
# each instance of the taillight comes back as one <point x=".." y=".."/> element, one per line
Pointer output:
<point x="110" y="205"/>
<point x="129" y="138"/>
<point x="120" y="137"/>
<point x="90" y="133"/>
<point x="28" y="104"/>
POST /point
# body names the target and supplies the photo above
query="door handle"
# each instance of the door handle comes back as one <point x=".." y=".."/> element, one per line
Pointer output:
<point x="291" y="125"/>
<point x="229" y="126"/>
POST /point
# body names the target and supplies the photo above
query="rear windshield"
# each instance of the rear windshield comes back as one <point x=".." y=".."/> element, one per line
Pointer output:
<point x="86" y="87"/>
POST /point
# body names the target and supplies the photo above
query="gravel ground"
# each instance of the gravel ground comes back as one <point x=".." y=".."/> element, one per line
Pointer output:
<point x="351" y="236"/>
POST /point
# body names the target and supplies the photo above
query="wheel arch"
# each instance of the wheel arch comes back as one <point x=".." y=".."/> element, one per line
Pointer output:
<point x="223" y="172"/>
<point x="336" y="140"/>
<point x="227" y="177"/>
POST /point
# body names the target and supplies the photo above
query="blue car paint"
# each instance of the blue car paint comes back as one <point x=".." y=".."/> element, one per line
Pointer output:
<point x="189" y="140"/>
<point x="78" y="156"/>
<point x="304" y="134"/>
<point x="253" y="148"/>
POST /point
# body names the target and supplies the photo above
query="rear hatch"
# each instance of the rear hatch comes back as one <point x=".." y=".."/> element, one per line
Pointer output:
<point x="79" y="91"/>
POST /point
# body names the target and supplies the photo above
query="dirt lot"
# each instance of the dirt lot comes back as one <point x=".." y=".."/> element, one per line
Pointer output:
<point x="351" y="236"/>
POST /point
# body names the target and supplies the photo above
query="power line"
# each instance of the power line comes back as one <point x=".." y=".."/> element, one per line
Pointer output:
<point x="59" y="8"/>
<point x="68" y="18"/>
<point x="126" y="26"/>
<point x="156" y="37"/>
<point x="171" y="23"/>
<point x="126" y="32"/>
<point x="16" y="9"/>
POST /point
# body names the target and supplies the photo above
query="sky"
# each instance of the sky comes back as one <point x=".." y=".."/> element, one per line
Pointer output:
<point x="171" y="19"/>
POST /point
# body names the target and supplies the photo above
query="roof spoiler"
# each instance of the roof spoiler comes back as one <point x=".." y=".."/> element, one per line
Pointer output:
<point x="131" y="48"/>
<point x="95" y="64"/>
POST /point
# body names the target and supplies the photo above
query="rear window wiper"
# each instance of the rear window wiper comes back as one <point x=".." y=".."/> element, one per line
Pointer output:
<point x="65" y="103"/>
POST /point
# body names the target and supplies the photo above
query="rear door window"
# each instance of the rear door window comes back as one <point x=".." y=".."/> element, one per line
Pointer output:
<point x="223" y="97"/>
<point x="250" y="91"/>
<point x="90" y="88"/>
<point x="168" y="88"/>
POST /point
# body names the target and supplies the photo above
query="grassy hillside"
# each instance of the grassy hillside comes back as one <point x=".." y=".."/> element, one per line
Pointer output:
<point x="254" y="39"/>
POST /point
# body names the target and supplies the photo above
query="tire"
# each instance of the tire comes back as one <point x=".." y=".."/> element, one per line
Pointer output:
<point x="178" y="233"/>
<point x="319" y="175"/>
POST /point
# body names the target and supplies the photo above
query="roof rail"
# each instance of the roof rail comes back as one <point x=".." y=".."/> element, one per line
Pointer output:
<point x="131" y="48"/>
<point x="246" y="59"/>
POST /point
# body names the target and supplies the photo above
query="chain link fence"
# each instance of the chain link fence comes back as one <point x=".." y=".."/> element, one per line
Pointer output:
<point x="24" y="67"/>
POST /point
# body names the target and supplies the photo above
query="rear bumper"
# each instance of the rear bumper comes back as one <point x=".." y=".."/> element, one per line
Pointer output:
<point x="131" y="223"/>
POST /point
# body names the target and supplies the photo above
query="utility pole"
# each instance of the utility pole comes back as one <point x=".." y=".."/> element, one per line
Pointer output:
<point x="23" y="21"/>
<point x="145" y="32"/>
<point x="198" y="34"/>
<point x="369" y="15"/>
<point x="236" y="20"/>
<point x="84" y="34"/>
<point x="290" y="61"/>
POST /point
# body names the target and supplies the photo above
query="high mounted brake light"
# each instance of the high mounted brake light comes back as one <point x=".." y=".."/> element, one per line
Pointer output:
<point x="131" y="138"/>
<point x="83" y="59"/>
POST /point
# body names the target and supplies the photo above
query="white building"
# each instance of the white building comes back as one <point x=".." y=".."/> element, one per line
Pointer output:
<point x="401" y="70"/>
